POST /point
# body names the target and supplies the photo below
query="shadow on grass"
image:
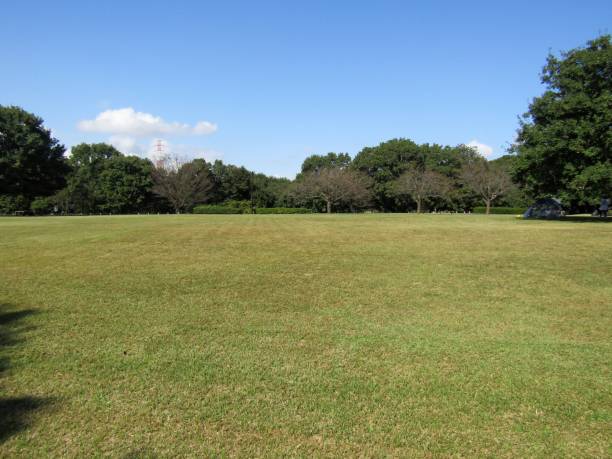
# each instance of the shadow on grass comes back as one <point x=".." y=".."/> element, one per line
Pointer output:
<point x="585" y="219"/>
<point x="16" y="413"/>
<point x="573" y="219"/>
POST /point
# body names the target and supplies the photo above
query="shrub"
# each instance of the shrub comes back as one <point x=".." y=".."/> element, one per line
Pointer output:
<point x="212" y="209"/>
<point x="41" y="206"/>
<point x="500" y="210"/>
<point x="243" y="206"/>
<point x="282" y="210"/>
<point x="9" y="205"/>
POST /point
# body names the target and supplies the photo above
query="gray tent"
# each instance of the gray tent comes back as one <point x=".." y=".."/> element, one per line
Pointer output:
<point x="545" y="208"/>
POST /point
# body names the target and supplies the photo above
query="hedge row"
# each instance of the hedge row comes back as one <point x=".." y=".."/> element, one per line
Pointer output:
<point x="211" y="209"/>
<point x="225" y="209"/>
<point x="500" y="210"/>
<point x="282" y="210"/>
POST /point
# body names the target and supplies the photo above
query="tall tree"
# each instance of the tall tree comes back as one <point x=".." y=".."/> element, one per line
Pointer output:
<point x="183" y="184"/>
<point x="87" y="161"/>
<point x="124" y="184"/>
<point x="231" y="182"/>
<point x="490" y="181"/>
<point x="102" y="179"/>
<point x="564" y="144"/>
<point x="269" y="191"/>
<point x="421" y="184"/>
<point x="384" y="164"/>
<point x="32" y="162"/>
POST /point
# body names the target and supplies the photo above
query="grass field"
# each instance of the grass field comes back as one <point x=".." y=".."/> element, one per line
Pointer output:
<point x="305" y="335"/>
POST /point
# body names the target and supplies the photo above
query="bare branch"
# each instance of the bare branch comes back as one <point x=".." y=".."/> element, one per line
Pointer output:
<point x="182" y="184"/>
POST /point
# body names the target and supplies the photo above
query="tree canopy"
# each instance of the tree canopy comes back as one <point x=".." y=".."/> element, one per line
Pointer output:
<point x="32" y="162"/>
<point x="102" y="179"/>
<point x="329" y="161"/>
<point x="564" y="144"/>
<point x="388" y="161"/>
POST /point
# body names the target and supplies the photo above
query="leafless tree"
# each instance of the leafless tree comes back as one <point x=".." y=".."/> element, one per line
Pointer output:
<point x="182" y="183"/>
<point x="421" y="184"/>
<point x="335" y="186"/>
<point x="487" y="180"/>
<point x="359" y="190"/>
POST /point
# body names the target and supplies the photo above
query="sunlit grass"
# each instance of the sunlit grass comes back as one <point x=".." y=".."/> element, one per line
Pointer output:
<point x="375" y="335"/>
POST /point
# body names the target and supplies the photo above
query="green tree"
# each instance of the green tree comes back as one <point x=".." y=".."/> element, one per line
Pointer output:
<point x="102" y="179"/>
<point x="87" y="162"/>
<point x="269" y="191"/>
<point x="32" y="162"/>
<point x="564" y="143"/>
<point x="230" y="182"/>
<point x="386" y="162"/>
<point x="124" y="185"/>
<point x="328" y="161"/>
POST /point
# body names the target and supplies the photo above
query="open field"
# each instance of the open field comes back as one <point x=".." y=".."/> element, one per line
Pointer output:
<point x="301" y="335"/>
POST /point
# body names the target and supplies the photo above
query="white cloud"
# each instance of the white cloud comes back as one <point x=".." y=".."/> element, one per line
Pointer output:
<point x="484" y="149"/>
<point x="129" y="122"/>
<point x="125" y="144"/>
<point x="204" y="128"/>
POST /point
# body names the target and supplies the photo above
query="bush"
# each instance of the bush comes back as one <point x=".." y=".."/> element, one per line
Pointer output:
<point x="212" y="209"/>
<point x="501" y="210"/>
<point x="41" y="206"/>
<point x="243" y="206"/>
<point x="9" y="205"/>
<point x="282" y="210"/>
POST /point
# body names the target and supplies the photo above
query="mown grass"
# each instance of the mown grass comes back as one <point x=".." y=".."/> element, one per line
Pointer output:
<point x="305" y="335"/>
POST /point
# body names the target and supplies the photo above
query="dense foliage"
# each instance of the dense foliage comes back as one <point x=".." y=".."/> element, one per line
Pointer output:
<point x="102" y="180"/>
<point x="216" y="209"/>
<point x="564" y="145"/>
<point x="32" y="162"/>
<point x="282" y="210"/>
<point x="387" y="162"/>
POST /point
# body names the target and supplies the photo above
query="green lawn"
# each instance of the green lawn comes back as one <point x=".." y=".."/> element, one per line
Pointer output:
<point x="305" y="335"/>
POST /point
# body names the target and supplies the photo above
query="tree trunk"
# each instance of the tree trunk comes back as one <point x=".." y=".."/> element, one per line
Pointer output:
<point x="488" y="202"/>
<point x="418" y="201"/>
<point x="328" y="206"/>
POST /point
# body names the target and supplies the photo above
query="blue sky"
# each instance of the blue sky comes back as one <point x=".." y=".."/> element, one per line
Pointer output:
<point x="265" y="84"/>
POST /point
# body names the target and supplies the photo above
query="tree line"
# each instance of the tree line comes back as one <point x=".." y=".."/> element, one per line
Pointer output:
<point x="397" y="176"/>
<point x="563" y="149"/>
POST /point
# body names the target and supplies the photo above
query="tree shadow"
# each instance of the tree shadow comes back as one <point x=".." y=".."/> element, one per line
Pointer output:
<point x="16" y="413"/>
<point x="573" y="219"/>
<point x="585" y="219"/>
